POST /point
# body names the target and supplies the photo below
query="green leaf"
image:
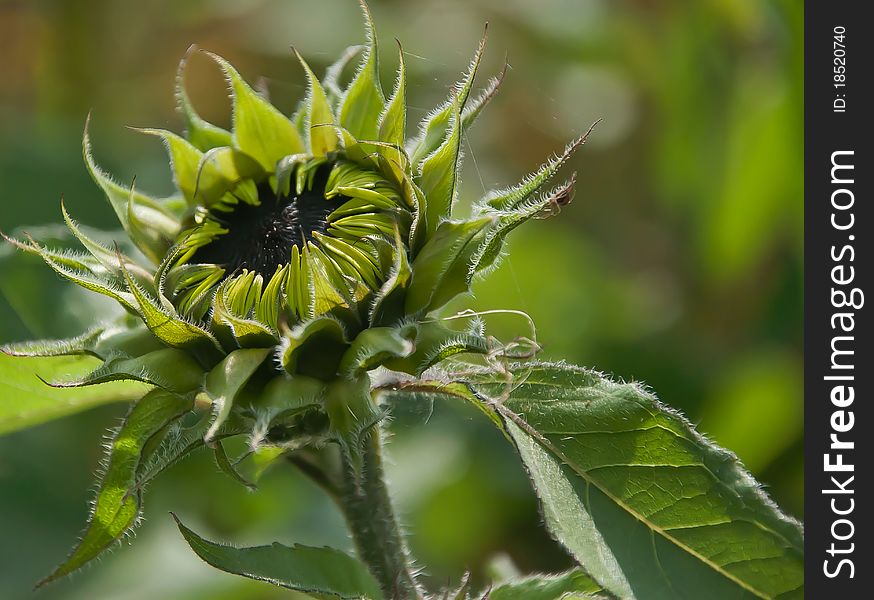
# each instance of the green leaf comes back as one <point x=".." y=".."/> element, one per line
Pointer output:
<point x="26" y="401"/>
<point x="227" y="379"/>
<point x="364" y="102"/>
<point x="320" y="120"/>
<point x="314" y="570"/>
<point x="648" y="506"/>
<point x="260" y="130"/>
<point x="573" y="585"/>
<point x="117" y="506"/>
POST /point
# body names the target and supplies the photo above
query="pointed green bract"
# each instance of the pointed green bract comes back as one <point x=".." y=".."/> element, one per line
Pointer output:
<point x="260" y="130"/>
<point x="226" y="381"/>
<point x="125" y="201"/>
<point x="172" y="329"/>
<point x="111" y="259"/>
<point x="439" y="175"/>
<point x="320" y="122"/>
<point x="202" y="134"/>
<point x="393" y="122"/>
<point x="487" y="255"/>
<point x="168" y="368"/>
<point x="434" y="127"/>
<point x="184" y="161"/>
<point x="81" y="344"/>
<point x="512" y="197"/>
<point x="363" y="102"/>
<point x="117" y="507"/>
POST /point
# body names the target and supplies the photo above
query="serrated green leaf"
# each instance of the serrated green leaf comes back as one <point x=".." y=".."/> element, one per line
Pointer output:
<point x="117" y="505"/>
<point x="322" y="571"/>
<point x="260" y="130"/>
<point x="573" y="585"/>
<point x="26" y="401"/>
<point x="649" y="507"/>
<point x="363" y="101"/>
<point x="549" y="204"/>
<point x="227" y="379"/>
<point x="320" y="120"/>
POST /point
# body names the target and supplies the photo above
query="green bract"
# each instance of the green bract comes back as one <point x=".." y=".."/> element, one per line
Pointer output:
<point x="298" y="254"/>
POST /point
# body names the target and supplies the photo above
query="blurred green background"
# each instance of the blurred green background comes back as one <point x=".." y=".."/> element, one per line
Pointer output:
<point x="679" y="263"/>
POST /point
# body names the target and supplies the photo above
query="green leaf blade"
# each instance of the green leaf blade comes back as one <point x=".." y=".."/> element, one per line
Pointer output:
<point x="648" y="506"/>
<point x="315" y="570"/>
<point x="26" y="401"/>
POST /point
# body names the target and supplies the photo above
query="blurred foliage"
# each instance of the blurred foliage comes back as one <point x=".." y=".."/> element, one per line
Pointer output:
<point x="679" y="264"/>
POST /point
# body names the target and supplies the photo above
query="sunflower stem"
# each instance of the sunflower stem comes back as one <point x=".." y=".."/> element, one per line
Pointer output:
<point x="367" y="506"/>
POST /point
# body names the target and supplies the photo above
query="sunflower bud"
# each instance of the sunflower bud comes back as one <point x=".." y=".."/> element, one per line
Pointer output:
<point x="299" y="253"/>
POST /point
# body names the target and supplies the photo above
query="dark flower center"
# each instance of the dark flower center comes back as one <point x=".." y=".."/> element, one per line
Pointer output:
<point x="260" y="238"/>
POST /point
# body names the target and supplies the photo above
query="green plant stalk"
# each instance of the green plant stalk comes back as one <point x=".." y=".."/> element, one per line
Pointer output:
<point x="367" y="506"/>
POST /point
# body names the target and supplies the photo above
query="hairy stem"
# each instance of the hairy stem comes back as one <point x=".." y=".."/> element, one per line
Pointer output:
<point x="368" y="510"/>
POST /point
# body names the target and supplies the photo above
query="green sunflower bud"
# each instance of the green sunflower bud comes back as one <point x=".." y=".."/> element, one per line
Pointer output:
<point x="298" y="253"/>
